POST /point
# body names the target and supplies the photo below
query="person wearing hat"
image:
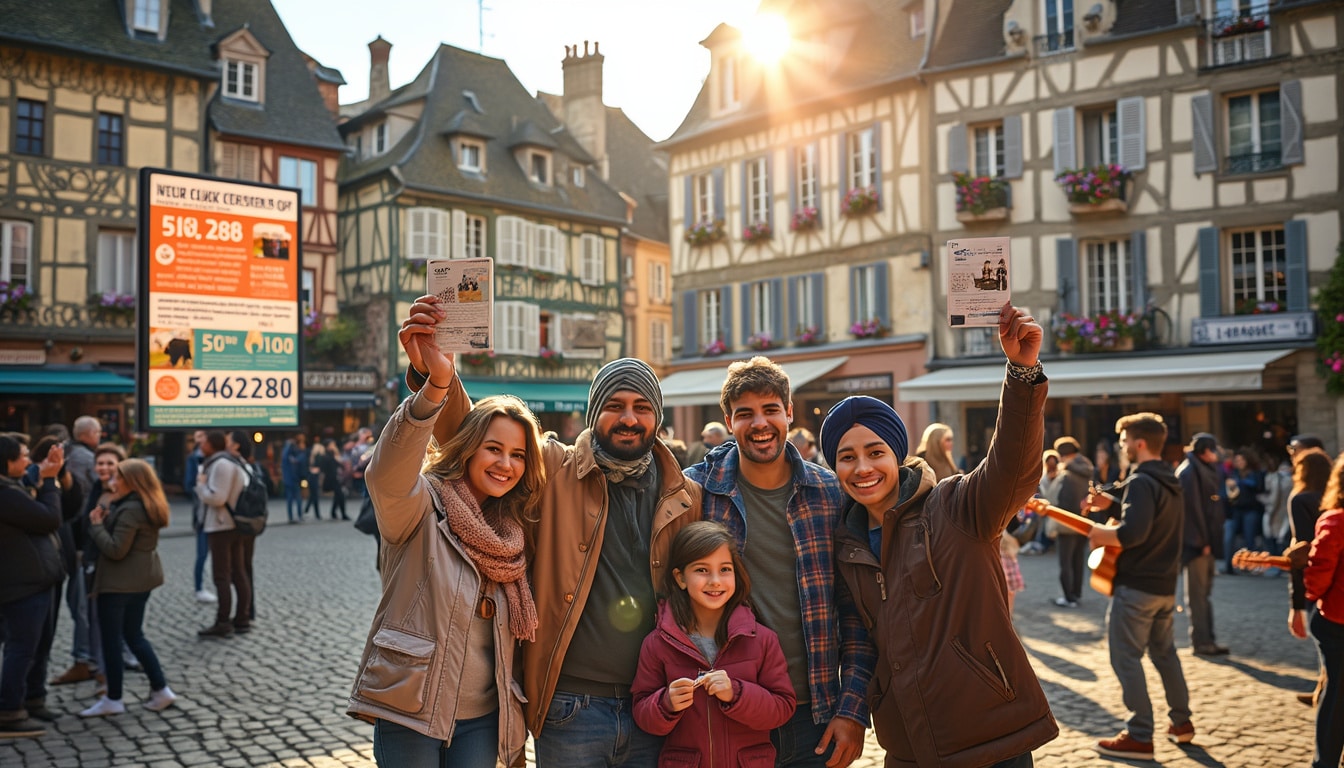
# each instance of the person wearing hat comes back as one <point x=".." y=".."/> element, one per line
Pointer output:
<point x="610" y="508"/>
<point x="952" y="685"/>
<point x="1202" y="537"/>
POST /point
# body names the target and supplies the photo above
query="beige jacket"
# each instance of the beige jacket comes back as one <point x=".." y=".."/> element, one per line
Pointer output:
<point x="414" y="656"/>
<point x="568" y="538"/>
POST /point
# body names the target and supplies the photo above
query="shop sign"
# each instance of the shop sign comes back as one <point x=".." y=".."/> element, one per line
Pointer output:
<point x="859" y="384"/>
<point x="23" y="357"/>
<point x="1251" y="329"/>
<point x="340" y="381"/>
<point x="557" y="406"/>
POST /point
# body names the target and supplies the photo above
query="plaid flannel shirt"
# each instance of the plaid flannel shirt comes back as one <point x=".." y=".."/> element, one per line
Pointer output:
<point x="832" y="628"/>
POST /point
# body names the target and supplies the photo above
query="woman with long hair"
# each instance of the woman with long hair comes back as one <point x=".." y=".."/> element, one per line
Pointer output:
<point x="1325" y="589"/>
<point x="437" y="675"/>
<point x="935" y="448"/>
<point x="127" y="537"/>
<point x="1311" y="475"/>
<point x="315" y="461"/>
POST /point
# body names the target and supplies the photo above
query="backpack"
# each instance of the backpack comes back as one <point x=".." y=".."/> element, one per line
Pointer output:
<point x="249" y="514"/>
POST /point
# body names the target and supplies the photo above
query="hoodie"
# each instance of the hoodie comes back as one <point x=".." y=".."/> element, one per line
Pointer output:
<point x="1075" y="477"/>
<point x="1152" y="516"/>
<point x="1202" y="486"/>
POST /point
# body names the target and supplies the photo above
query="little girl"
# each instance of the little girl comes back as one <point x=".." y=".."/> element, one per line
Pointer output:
<point x="707" y="638"/>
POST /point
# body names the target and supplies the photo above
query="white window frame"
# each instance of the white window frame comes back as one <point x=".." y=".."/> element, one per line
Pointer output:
<point x="558" y="336"/>
<point x="1108" y="284"/>
<point x="146" y="15"/>
<point x="658" y="282"/>
<point x="379" y="143"/>
<point x="466" y="146"/>
<point x="1254" y="256"/>
<point x="865" y="303"/>
<point x="474" y="237"/>
<point x="703" y="197"/>
<point x="993" y="149"/>
<point x="592" y="260"/>
<point x="659" y="349"/>
<point x="301" y="173"/>
<point x="116" y="261"/>
<point x="576" y="173"/>
<point x="517" y="328"/>
<point x="307" y="289"/>
<point x="235" y="80"/>
<point x="513" y="237"/>
<point x="803" y="310"/>
<point x="545" y="157"/>
<point x="710" y="316"/>
<point x="548" y="255"/>
<point x="807" y="176"/>
<point x="862" y="159"/>
<point x="758" y="191"/>
<point x="1106" y="122"/>
<point x="1064" y="20"/>
<point x="762" y="310"/>
<point x="15" y="266"/>
<point x="426" y="233"/>
<point x="1257" y="126"/>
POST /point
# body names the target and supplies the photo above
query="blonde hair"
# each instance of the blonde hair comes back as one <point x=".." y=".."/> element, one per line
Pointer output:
<point x="931" y="450"/>
<point x="449" y="460"/>
<point x="141" y="480"/>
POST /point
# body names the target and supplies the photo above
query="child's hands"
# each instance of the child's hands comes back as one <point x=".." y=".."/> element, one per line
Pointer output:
<point x="680" y="693"/>
<point x="718" y="685"/>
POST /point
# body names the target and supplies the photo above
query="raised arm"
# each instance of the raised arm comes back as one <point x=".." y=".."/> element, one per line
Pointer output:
<point x="431" y="369"/>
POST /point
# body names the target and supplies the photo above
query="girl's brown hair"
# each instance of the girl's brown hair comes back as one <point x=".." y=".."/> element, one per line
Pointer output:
<point x="1311" y="470"/>
<point x="931" y="450"/>
<point x="449" y="461"/>
<point x="1334" y="490"/>
<point x="140" y="479"/>
<point x="692" y="543"/>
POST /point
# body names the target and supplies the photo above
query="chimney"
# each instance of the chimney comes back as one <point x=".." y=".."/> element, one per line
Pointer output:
<point x="379" y="52"/>
<point x="585" y="115"/>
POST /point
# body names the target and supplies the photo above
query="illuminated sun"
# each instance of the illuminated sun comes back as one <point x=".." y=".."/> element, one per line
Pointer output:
<point x="767" y="38"/>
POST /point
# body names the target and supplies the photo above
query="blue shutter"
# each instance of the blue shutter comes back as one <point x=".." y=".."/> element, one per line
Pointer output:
<point x="1138" y="269"/>
<point x="1295" y="243"/>
<point x="792" y="299"/>
<point x="1293" y="123"/>
<point x="718" y="195"/>
<point x="726" y="314"/>
<point x="1066" y="154"/>
<point x="958" y="160"/>
<point x="744" y="212"/>
<point x="1012" y="146"/>
<point x="883" y="302"/>
<point x="854" y="296"/>
<point x="745" y="290"/>
<point x="1066" y="265"/>
<point x="819" y="300"/>
<point x="877" y="165"/>
<point x="770" y="190"/>
<point x="777" y="307"/>
<point x="690" y="345"/>
<point x="1210" y="273"/>
<point x="690" y="200"/>
<point x="793" y="180"/>
<point x="1201" y="142"/>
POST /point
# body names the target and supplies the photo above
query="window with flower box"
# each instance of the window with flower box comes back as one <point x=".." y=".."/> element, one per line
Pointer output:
<point x="805" y="177"/>
<point x="868" y="294"/>
<point x="116" y="262"/>
<point x="861" y="159"/>
<point x="16" y="244"/>
<point x="1108" y="134"/>
<point x="705" y="319"/>
<point x="756" y="192"/>
<point x="1253" y="270"/>
<point x="806" y="310"/>
<point x="762" y="313"/>
<point x="989" y="150"/>
<point x="1254" y="132"/>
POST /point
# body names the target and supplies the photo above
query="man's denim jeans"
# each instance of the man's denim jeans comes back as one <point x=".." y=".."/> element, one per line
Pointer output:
<point x="594" y="731"/>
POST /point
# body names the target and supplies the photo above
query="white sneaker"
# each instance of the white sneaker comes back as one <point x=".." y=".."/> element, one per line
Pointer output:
<point x="105" y="707"/>
<point x="206" y="596"/>
<point x="160" y="700"/>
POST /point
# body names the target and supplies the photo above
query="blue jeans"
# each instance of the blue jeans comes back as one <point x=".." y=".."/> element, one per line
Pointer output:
<point x="293" y="500"/>
<point x="475" y="744"/>
<point x="1329" y="638"/>
<point x="594" y="731"/>
<point x="796" y="741"/>
<point x="1247" y="522"/>
<point x="77" y="600"/>
<point x="1136" y="622"/>
<point x="121" y="616"/>
<point x="25" y="620"/>
<point x="202" y="551"/>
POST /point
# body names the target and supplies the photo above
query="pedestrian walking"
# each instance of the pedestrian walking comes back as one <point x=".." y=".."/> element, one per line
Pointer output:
<point x="128" y="568"/>
<point x="221" y="482"/>
<point x="1076" y="476"/>
<point x="711" y="679"/>
<point x="316" y="458"/>
<point x="1202" y="540"/>
<point x="333" y="479"/>
<point x="293" y="471"/>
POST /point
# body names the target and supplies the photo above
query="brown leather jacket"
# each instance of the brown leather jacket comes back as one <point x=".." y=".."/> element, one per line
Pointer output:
<point x="567" y="539"/>
<point x="952" y="685"/>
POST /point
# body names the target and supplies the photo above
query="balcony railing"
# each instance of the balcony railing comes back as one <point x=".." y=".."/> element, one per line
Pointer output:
<point x="1237" y="39"/>
<point x="1055" y="42"/>
<point x="1256" y="162"/>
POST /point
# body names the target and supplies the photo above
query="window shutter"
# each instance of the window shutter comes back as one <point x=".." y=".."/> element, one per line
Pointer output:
<point x="248" y="162"/>
<point x="770" y="190"/>
<point x="816" y="177"/>
<point x="531" y="329"/>
<point x="1206" y="156"/>
<point x="958" y="160"/>
<point x="718" y="195"/>
<point x="854" y="296"/>
<point x="793" y="180"/>
<point x="1295" y="243"/>
<point x="1066" y="156"/>
<point x="228" y="160"/>
<point x="877" y="164"/>
<point x="792" y="286"/>
<point x="1129" y="113"/>
<point x="503" y="240"/>
<point x="726" y="314"/>
<point x="1012" y="146"/>
<point x="745" y="292"/>
<point x="777" y="309"/>
<point x="527" y="242"/>
<point x="1138" y="269"/>
<point x="689" y="323"/>
<point x="745" y="198"/>
<point x="541" y="253"/>
<point x="1290" y="102"/>
<point x="842" y="165"/>
<point x="438" y="240"/>
<point x="1066" y="265"/>
<point x="819" y="301"/>
<point x="1210" y="273"/>
<point x="459" y="234"/>
<point x="690" y="200"/>
<point x="416" y="224"/>
<point x="883" y="303"/>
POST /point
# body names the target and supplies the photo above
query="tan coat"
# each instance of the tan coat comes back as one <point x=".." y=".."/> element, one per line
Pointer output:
<point x="414" y="656"/>
<point x="567" y="540"/>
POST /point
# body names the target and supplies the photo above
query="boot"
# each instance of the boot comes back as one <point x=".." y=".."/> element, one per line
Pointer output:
<point x="37" y="710"/>
<point x="16" y="724"/>
<point x="77" y="673"/>
<point x="218" y="629"/>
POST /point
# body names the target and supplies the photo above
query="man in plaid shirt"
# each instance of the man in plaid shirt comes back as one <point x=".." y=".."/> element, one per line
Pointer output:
<point x="783" y="512"/>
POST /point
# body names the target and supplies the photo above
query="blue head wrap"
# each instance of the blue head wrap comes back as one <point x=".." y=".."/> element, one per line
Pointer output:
<point x="871" y="413"/>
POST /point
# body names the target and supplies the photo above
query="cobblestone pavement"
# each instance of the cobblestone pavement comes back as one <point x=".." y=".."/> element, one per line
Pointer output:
<point x="276" y="697"/>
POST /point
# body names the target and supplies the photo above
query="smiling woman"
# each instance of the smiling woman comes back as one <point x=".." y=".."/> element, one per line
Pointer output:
<point x="767" y="38"/>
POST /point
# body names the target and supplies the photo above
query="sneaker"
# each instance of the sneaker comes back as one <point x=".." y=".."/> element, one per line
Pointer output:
<point x="1127" y="746"/>
<point x="160" y="700"/>
<point x="77" y="673"/>
<point x="1211" y="650"/>
<point x="1181" y="734"/>
<point x="218" y="629"/>
<point x="21" y="729"/>
<point x="1064" y="602"/>
<point x="206" y="596"/>
<point x="131" y="664"/>
<point x="105" y="707"/>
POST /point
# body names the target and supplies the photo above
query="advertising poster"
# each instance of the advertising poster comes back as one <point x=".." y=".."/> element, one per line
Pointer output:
<point x="466" y="287"/>
<point x="218" y="339"/>
<point x="977" y="281"/>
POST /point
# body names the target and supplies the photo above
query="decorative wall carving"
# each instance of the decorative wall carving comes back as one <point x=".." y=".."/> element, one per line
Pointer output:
<point x="51" y="72"/>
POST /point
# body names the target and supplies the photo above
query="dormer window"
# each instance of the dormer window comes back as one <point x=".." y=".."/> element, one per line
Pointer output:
<point x="539" y="167"/>
<point x="242" y="66"/>
<point x="577" y="172"/>
<point x="469" y="155"/>
<point x="241" y="80"/>
<point x="380" y="138"/>
<point x="145" y="15"/>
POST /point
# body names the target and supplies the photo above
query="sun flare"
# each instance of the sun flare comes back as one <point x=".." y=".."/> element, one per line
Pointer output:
<point x="766" y="38"/>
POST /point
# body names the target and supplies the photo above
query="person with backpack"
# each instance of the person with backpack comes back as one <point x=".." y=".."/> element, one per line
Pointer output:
<point x="221" y="482"/>
<point x="253" y="506"/>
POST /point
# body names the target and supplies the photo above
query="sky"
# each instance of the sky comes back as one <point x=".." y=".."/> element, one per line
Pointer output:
<point x="654" y="61"/>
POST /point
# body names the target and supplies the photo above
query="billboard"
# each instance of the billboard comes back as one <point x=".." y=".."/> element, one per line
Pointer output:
<point x="217" y="342"/>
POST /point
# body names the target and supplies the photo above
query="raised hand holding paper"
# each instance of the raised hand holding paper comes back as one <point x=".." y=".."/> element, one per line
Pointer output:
<point x="466" y="290"/>
<point x="977" y="281"/>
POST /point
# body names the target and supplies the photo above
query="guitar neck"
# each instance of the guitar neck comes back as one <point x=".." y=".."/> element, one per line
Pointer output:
<point x="1074" y="522"/>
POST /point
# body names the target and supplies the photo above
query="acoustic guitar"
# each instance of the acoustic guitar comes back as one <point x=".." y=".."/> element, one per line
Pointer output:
<point x="1101" y="560"/>
<point x="1258" y="561"/>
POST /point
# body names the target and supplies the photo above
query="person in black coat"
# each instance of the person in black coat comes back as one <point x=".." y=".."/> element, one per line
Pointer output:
<point x="30" y="575"/>
<point x="1202" y="537"/>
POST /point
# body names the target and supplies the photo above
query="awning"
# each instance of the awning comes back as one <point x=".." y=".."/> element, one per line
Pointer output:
<point x="703" y="386"/>
<point x="39" y="381"/>
<point x="540" y="396"/>
<point x="338" y="401"/>
<point x="1098" y="375"/>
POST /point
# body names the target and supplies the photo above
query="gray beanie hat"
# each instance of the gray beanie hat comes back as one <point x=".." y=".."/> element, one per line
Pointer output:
<point x="625" y="373"/>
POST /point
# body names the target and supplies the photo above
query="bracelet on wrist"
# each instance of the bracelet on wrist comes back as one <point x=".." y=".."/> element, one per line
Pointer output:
<point x="433" y="383"/>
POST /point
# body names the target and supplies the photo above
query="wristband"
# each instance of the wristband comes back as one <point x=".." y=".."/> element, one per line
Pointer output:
<point x="1027" y="374"/>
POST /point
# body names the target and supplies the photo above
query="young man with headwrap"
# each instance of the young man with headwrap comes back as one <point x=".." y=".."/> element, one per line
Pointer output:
<point x="782" y="511"/>
<point x="952" y="685"/>
<point x="613" y="502"/>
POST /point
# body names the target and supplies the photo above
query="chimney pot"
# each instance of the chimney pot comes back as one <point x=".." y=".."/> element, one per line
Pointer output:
<point x="585" y="47"/>
<point x="595" y="48"/>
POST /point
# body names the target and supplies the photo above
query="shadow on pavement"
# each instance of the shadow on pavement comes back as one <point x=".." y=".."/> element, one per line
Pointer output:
<point x="1290" y="684"/>
<point x="1061" y="665"/>
<point x="1201" y="755"/>
<point x="1075" y="710"/>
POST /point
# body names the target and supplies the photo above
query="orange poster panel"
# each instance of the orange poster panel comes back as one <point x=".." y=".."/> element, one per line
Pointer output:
<point x="222" y="254"/>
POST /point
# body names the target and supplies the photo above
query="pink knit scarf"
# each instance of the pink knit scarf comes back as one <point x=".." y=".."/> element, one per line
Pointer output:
<point x="496" y="547"/>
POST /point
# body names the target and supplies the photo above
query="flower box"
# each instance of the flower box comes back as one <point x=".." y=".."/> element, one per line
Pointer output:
<point x="15" y="299"/>
<point x="859" y="201"/>
<point x="1106" y="332"/>
<point x="991" y="214"/>
<point x="756" y="232"/>
<point x="478" y="359"/>
<point x="1243" y="25"/>
<point x="868" y="329"/>
<point x="112" y="306"/>
<point x="714" y="348"/>
<point x="1256" y="307"/>
<point x="808" y="336"/>
<point x="804" y="219"/>
<point x="981" y="198"/>
<point x="705" y="232"/>
<point x="551" y="358"/>
<point x="760" y="342"/>
<point x="1100" y="189"/>
<point x="1089" y="209"/>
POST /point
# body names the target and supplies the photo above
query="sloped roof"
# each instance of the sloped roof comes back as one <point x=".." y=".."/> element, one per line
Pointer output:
<point x="967" y="31"/>
<point x="423" y="158"/>
<point x="527" y="133"/>
<point x="640" y="171"/>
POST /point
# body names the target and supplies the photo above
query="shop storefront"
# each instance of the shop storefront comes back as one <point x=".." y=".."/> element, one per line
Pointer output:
<point x="337" y="403"/>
